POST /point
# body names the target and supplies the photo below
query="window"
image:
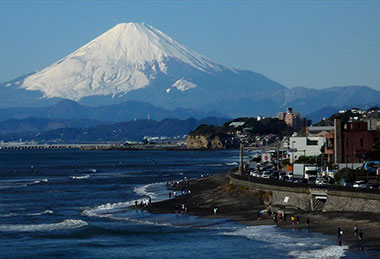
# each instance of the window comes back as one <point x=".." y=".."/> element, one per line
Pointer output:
<point x="310" y="142"/>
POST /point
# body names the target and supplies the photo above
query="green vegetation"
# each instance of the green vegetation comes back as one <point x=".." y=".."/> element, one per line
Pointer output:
<point x="208" y="131"/>
<point x="374" y="155"/>
<point x="251" y="126"/>
<point x="354" y="175"/>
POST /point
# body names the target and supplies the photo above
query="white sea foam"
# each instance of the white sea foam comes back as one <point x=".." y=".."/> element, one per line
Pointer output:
<point x="273" y="236"/>
<point x="151" y="190"/>
<point x="41" y="213"/>
<point x="233" y="163"/>
<point x="17" y="183"/>
<point x="8" y="215"/>
<point x="326" y="252"/>
<point x="66" y="224"/>
<point x="80" y="176"/>
<point x="104" y="209"/>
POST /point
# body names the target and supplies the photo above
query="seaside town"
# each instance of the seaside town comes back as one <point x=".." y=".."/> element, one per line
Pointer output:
<point x="323" y="178"/>
<point x="189" y="129"/>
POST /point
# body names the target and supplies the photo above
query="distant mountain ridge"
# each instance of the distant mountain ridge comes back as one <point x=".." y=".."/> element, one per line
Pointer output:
<point x="70" y="110"/>
<point x="34" y="124"/>
<point x="130" y="130"/>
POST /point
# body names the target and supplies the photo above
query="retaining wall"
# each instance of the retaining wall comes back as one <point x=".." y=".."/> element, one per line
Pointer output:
<point x="301" y="195"/>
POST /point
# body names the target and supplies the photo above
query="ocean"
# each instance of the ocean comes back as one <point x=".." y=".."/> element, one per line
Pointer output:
<point x="75" y="204"/>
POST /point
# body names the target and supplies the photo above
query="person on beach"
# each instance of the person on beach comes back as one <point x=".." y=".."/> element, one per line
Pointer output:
<point x="174" y="194"/>
<point x="280" y="216"/>
<point x="215" y="210"/>
<point x="356" y="230"/>
<point x="293" y="219"/>
<point x="136" y="202"/>
<point x="298" y="219"/>
<point x="170" y="195"/>
<point x="361" y="235"/>
<point x="308" y="222"/>
<point x="339" y="232"/>
<point x="275" y="217"/>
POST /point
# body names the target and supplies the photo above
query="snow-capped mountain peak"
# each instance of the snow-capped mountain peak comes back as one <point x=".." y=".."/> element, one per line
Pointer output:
<point x="125" y="58"/>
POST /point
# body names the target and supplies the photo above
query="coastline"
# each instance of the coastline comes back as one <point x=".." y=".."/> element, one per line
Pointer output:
<point x="242" y="205"/>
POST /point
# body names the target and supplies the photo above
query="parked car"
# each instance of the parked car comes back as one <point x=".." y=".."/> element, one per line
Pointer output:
<point x="360" y="184"/>
<point x="282" y="175"/>
<point x="266" y="174"/>
<point x="274" y="175"/>
<point x="321" y="181"/>
<point x="373" y="186"/>
<point x="345" y="182"/>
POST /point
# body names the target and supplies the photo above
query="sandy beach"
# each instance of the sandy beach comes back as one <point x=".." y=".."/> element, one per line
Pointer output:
<point x="242" y="205"/>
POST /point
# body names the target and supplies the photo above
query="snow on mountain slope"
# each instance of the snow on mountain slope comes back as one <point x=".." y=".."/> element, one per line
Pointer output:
<point x="125" y="58"/>
<point x="182" y="85"/>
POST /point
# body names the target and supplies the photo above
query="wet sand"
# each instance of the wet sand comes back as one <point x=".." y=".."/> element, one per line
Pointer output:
<point x="242" y="204"/>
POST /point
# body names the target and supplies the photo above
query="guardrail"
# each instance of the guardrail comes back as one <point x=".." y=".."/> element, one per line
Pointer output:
<point x="274" y="182"/>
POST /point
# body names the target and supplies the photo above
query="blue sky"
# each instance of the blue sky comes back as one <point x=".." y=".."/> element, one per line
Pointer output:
<point x="315" y="44"/>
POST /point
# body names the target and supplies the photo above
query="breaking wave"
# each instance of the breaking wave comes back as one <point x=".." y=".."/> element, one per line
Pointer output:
<point x="66" y="224"/>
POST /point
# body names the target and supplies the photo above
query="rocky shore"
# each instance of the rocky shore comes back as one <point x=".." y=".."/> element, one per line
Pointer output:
<point x="243" y="204"/>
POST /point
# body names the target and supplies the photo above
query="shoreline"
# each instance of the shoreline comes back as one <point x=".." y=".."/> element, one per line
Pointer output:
<point x="242" y="204"/>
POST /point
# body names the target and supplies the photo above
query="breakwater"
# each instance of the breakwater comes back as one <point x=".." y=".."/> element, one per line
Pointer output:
<point x="313" y="197"/>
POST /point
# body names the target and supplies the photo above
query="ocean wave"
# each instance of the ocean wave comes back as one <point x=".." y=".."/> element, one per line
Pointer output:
<point x="40" y="181"/>
<point x="143" y="190"/>
<point x="102" y="210"/>
<point x="8" y="215"/>
<point x="66" y="224"/>
<point x="274" y="236"/>
<point x="77" y="177"/>
<point x="233" y="163"/>
<point x="17" y="183"/>
<point x="106" y="210"/>
<point x="326" y="252"/>
<point x="40" y="213"/>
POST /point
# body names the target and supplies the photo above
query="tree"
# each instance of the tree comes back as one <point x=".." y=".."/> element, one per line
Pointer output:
<point x="374" y="155"/>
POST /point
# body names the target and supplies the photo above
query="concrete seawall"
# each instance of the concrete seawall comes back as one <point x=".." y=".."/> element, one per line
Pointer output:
<point x="313" y="197"/>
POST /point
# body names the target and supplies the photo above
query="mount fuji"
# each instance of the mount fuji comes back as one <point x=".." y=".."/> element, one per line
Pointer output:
<point x="136" y="62"/>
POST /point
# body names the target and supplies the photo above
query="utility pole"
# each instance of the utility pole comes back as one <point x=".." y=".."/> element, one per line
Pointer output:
<point x="241" y="166"/>
<point x="278" y="155"/>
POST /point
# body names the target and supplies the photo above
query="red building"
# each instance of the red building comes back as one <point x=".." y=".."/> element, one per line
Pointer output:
<point x="350" y="141"/>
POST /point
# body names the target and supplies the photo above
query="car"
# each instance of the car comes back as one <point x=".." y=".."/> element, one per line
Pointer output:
<point x="274" y="175"/>
<point x="345" y="182"/>
<point x="360" y="184"/>
<point x="253" y="173"/>
<point x="266" y="174"/>
<point x="373" y="186"/>
<point x="282" y="175"/>
<point x="321" y="181"/>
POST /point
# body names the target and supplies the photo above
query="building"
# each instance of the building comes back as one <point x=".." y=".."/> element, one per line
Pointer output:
<point x="293" y="119"/>
<point x="305" y="146"/>
<point x="350" y="141"/>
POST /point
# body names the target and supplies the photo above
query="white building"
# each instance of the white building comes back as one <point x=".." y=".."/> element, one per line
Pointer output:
<point x="305" y="146"/>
